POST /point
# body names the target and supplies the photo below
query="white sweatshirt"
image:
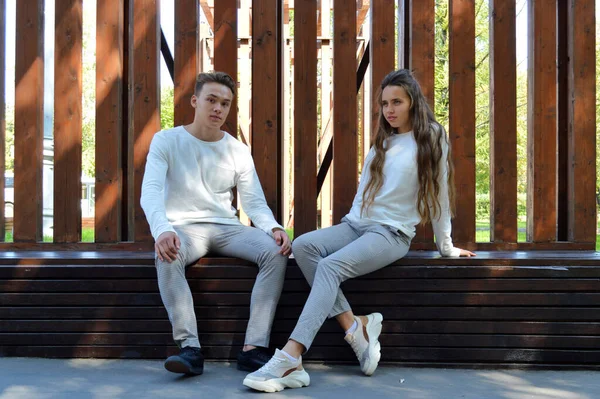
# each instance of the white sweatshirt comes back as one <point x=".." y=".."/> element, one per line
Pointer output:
<point x="188" y="180"/>
<point x="395" y="204"/>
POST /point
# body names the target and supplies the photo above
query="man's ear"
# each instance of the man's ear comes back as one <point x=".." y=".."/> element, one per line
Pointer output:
<point x="194" y="100"/>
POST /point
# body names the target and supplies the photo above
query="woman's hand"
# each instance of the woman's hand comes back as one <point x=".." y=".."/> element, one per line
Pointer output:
<point x="465" y="253"/>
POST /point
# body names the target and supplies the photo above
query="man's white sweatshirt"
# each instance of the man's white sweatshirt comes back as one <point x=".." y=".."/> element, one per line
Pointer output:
<point x="188" y="180"/>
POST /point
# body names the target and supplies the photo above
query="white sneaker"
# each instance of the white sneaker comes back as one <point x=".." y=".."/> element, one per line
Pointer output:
<point x="279" y="373"/>
<point x="365" y="342"/>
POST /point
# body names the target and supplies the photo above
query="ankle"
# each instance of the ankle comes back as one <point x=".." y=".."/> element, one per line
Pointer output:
<point x="293" y="348"/>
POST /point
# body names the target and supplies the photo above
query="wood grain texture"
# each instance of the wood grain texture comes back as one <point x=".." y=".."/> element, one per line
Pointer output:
<point x="110" y="71"/>
<point x="67" y="120"/>
<point x="29" y="121"/>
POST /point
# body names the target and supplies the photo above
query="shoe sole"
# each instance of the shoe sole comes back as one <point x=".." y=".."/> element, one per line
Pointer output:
<point x="297" y="379"/>
<point x="179" y="367"/>
<point x="374" y="326"/>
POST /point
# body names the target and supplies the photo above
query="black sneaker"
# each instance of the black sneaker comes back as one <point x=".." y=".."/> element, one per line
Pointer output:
<point x="189" y="361"/>
<point x="253" y="359"/>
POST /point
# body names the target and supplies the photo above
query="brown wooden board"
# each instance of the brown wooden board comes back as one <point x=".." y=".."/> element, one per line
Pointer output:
<point x="128" y="201"/>
<point x="462" y="115"/>
<point x="225" y="40"/>
<point x="440" y="313"/>
<point x="383" y="47"/>
<point x="503" y="122"/>
<point x="146" y="95"/>
<point x="187" y="14"/>
<point x="532" y="285"/>
<point x="67" y="120"/>
<point x="29" y="121"/>
<point x="305" y="117"/>
<point x="582" y="127"/>
<point x="345" y="144"/>
<point x="2" y="117"/>
<point x="542" y="134"/>
<point x="562" y="119"/>
<point x="266" y="135"/>
<point x="109" y="120"/>
<point x="422" y="64"/>
<point x="535" y="308"/>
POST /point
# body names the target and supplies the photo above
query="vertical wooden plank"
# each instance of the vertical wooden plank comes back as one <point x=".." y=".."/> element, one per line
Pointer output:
<point x="2" y="117"/>
<point x="503" y="121"/>
<point x="562" y="116"/>
<point x="29" y="120"/>
<point x="582" y="129"/>
<point x="305" y="116"/>
<point x="422" y="63"/>
<point x="266" y="137"/>
<point x="541" y="183"/>
<point x="109" y="116"/>
<point x="345" y="150"/>
<point x="186" y="58"/>
<point x="462" y="115"/>
<point x="67" y="121"/>
<point x="383" y="38"/>
<point x="226" y="52"/>
<point x="128" y="203"/>
<point x="146" y="100"/>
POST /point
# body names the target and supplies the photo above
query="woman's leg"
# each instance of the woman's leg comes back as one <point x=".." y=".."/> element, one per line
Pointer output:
<point x="310" y="248"/>
<point x="377" y="248"/>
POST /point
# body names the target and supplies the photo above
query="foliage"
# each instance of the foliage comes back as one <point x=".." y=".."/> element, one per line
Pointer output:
<point x="167" y="108"/>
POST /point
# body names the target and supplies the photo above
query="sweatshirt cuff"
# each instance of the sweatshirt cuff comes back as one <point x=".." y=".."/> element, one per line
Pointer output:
<point x="163" y="229"/>
<point x="269" y="230"/>
<point x="454" y="253"/>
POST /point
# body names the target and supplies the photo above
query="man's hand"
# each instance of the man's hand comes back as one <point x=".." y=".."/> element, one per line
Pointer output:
<point x="167" y="246"/>
<point x="282" y="239"/>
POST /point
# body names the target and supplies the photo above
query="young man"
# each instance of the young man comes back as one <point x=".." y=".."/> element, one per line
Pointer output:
<point x="186" y="196"/>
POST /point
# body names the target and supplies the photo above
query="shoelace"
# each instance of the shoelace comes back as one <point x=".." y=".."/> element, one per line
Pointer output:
<point x="271" y="365"/>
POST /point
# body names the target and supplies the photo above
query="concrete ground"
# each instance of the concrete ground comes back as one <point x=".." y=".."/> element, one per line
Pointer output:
<point x="93" y="378"/>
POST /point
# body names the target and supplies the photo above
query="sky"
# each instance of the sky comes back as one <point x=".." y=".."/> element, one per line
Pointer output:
<point x="167" y="10"/>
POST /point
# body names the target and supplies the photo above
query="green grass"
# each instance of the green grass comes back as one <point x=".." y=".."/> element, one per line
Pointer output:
<point x="87" y="235"/>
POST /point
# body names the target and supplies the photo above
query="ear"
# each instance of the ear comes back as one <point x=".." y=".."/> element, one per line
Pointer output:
<point x="194" y="101"/>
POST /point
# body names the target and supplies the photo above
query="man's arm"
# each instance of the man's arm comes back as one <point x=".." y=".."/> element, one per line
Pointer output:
<point x="153" y="186"/>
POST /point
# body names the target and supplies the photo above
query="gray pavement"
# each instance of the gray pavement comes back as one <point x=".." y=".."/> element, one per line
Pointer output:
<point x="22" y="378"/>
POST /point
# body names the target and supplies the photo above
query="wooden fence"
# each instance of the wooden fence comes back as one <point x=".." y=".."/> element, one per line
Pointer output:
<point x="561" y="134"/>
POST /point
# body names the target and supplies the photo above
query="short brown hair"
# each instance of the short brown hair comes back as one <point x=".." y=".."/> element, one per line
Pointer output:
<point x="214" y="77"/>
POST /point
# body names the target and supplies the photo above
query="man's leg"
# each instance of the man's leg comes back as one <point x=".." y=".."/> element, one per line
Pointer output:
<point x="254" y="245"/>
<point x="174" y="289"/>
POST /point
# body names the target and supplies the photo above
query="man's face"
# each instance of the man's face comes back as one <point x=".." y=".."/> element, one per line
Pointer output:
<point x="212" y="104"/>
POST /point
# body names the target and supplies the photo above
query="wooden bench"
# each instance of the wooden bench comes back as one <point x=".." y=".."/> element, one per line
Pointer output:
<point x="520" y="309"/>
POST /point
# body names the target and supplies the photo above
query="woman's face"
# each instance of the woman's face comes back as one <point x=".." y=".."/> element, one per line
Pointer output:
<point x="395" y="104"/>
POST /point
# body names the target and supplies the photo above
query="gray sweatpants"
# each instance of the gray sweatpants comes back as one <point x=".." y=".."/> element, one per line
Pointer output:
<point x="329" y="256"/>
<point x="238" y="241"/>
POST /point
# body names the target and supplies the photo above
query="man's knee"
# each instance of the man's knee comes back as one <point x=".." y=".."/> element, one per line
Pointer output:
<point x="165" y="268"/>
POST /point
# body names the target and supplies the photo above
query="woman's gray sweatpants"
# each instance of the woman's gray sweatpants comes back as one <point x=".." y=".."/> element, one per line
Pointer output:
<point x="332" y="255"/>
<point x="238" y="241"/>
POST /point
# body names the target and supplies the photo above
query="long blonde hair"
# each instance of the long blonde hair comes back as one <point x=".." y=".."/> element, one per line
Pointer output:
<point x="431" y="139"/>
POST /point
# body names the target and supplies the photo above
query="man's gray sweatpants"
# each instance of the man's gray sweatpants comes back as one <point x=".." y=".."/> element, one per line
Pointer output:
<point x="332" y="255"/>
<point x="238" y="241"/>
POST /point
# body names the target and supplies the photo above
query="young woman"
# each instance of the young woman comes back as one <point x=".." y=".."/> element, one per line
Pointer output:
<point x="407" y="179"/>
